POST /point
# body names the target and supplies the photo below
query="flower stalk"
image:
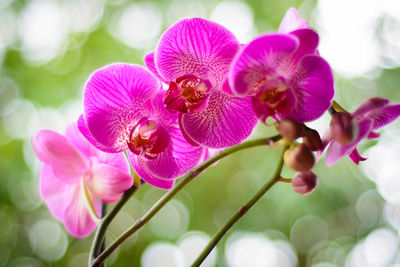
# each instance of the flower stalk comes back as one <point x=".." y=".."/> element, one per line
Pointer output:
<point x="105" y="222"/>
<point x="241" y="212"/>
<point x="170" y="194"/>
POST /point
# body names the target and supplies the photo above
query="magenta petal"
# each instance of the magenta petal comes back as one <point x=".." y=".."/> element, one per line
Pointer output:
<point x="385" y="116"/>
<point x="159" y="113"/>
<point x="225" y="122"/>
<point x="113" y="102"/>
<point x="109" y="183"/>
<point x="82" y="126"/>
<point x="76" y="138"/>
<point x="292" y="21"/>
<point x="54" y="149"/>
<point x="258" y="60"/>
<point x="337" y="150"/>
<point x="313" y="87"/>
<point x="77" y="218"/>
<point x="176" y="160"/>
<point x="151" y="65"/>
<point x="308" y="42"/>
<point x="55" y="192"/>
<point x="148" y="177"/>
<point x="370" y="105"/>
<point x="356" y="157"/>
<point x="117" y="160"/>
<point x="198" y="47"/>
<point x="184" y="133"/>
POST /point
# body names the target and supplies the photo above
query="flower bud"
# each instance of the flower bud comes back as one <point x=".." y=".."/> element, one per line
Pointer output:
<point x="304" y="182"/>
<point x="343" y="128"/>
<point x="299" y="158"/>
<point x="312" y="140"/>
<point x="290" y="129"/>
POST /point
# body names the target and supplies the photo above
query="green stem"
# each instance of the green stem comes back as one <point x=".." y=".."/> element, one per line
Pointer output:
<point x="170" y="194"/>
<point x="240" y="213"/>
<point x="95" y="250"/>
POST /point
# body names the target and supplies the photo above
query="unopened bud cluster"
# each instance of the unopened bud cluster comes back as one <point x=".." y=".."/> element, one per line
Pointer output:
<point x="300" y="157"/>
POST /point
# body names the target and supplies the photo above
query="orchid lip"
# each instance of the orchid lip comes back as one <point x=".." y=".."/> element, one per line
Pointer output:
<point x="273" y="97"/>
<point x="187" y="93"/>
<point x="148" y="139"/>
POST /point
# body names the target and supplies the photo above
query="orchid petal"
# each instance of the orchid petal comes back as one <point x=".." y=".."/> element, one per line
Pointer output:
<point x="259" y="60"/>
<point x="292" y="21"/>
<point x="356" y="157"/>
<point x="77" y="218"/>
<point x="337" y="150"/>
<point x="118" y="160"/>
<point x="313" y="87"/>
<point x="385" y="116"/>
<point x="54" y="149"/>
<point x="149" y="60"/>
<point x="176" y="160"/>
<point x="109" y="183"/>
<point x="113" y="102"/>
<point x="308" y="42"/>
<point x="225" y="122"/>
<point x="76" y="138"/>
<point x="198" y="47"/>
<point x="55" y="192"/>
<point x="82" y="126"/>
<point x="370" y="105"/>
<point x="148" y="177"/>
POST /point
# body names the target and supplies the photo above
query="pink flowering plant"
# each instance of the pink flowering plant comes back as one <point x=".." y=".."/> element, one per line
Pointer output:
<point x="197" y="100"/>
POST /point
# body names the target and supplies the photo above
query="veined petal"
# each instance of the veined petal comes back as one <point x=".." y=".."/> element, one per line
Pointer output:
<point x="149" y="60"/>
<point x="109" y="183"/>
<point x="292" y="21"/>
<point x="55" y="192"/>
<point x="259" y="61"/>
<point x="113" y="102"/>
<point x="308" y="42"/>
<point x="337" y="150"/>
<point x="148" y="177"/>
<point x="82" y="126"/>
<point x="386" y="115"/>
<point x="313" y="87"/>
<point x="160" y="114"/>
<point x="370" y="105"/>
<point x="77" y="218"/>
<point x="118" y="160"/>
<point x="176" y="160"/>
<point x="55" y="150"/>
<point x="225" y="122"/>
<point x="198" y="47"/>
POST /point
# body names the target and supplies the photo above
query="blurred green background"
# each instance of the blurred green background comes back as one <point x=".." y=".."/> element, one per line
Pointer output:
<point x="49" y="48"/>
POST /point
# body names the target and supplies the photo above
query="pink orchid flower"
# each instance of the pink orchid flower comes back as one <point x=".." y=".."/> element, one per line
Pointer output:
<point x="124" y="110"/>
<point x="76" y="177"/>
<point x="284" y="74"/>
<point x="371" y="115"/>
<point x="193" y="58"/>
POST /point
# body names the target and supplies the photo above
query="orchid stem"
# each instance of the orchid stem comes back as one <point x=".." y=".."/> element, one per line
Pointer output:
<point x="284" y="180"/>
<point x="170" y="194"/>
<point x="240" y="212"/>
<point x="103" y="244"/>
<point x="99" y="237"/>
